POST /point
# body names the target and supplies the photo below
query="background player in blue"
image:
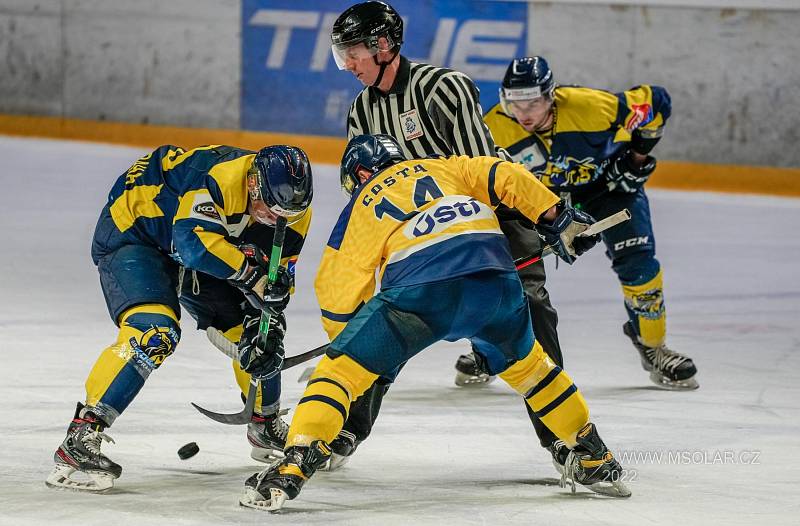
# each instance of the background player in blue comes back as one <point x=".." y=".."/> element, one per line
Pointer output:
<point x="207" y="210"/>
<point x="428" y="227"/>
<point x="593" y="147"/>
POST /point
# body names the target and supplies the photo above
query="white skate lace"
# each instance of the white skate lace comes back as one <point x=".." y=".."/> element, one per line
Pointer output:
<point x="93" y="440"/>
<point x="665" y="359"/>
<point x="568" y="476"/>
<point x="280" y="428"/>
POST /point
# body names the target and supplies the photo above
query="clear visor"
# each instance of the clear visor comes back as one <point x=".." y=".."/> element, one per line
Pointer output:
<point x="522" y="93"/>
<point x="519" y="98"/>
<point x="349" y="186"/>
<point x="351" y="51"/>
<point x="261" y="211"/>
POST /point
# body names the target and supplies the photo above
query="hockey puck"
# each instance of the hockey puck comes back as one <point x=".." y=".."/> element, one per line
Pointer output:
<point x="188" y="451"/>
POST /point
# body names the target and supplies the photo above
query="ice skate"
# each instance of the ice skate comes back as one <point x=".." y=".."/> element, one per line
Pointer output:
<point x="559" y="451"/>
<point x="269" y="489"/>
<point x="469" y="373"/>
<point x="267" y="435"/>
<point x="668" y="369"/>
<point x="342" y="447"/>
<point x="592" y="465"/>
<point x="80" y="452"/>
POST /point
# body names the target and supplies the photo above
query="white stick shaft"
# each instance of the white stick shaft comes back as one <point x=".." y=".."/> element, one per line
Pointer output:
<point x="222" y="343"/>
<point x="605" y="224"/>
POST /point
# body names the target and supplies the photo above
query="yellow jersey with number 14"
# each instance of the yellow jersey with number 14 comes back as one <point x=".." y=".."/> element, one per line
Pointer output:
<point x="422" y="221"/>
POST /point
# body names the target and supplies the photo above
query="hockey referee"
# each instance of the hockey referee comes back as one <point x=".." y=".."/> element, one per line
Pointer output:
<point x="429" y="111"/>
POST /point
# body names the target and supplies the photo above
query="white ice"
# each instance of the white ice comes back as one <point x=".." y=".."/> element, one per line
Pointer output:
<point x="438" y="453"/>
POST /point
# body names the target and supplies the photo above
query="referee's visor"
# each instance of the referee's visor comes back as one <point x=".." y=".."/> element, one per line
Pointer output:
<point x="354" y="50"/>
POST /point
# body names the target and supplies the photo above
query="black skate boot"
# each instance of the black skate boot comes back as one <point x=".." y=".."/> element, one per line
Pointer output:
<point x="342" y="447"/>
<point x="267" y="435"/>
<point x="591" y="464"/>
<point x="284" y="479"/>
<point x="668" y="369"/>
<point x="80" y="451"/>
<point x="469" y="372"/>
<point x="559" y="451"/>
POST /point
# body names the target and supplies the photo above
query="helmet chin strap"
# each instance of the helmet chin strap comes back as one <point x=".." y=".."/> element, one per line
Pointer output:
<point x="383" y="66"/>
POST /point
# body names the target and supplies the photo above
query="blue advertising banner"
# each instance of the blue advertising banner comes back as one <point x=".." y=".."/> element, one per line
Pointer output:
<point x="290" y="82"/>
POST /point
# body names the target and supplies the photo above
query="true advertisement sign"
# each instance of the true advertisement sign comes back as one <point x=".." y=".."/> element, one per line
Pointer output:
<point x="290" y="82"/>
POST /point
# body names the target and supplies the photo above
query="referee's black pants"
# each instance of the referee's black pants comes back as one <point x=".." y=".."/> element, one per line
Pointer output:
<point x="525" y="246"/>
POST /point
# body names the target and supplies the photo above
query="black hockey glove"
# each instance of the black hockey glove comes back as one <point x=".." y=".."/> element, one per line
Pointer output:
<point x="562" y="233"/>
<point x="622" y="176"/>
<point x="262" y="363"/>
<point x="252" y="281"/>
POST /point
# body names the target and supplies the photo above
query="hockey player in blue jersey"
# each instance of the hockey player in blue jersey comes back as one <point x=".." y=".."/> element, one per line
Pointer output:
<point x="209" y="212"/>
<point x="428" y="227"/>
<point x="593" y="148"/>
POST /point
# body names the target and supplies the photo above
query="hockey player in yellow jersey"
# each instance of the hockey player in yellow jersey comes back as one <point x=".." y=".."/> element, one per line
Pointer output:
<point x="445" y="271"/>
<point x="212" y="212"/>
<point x="593" y="148"/>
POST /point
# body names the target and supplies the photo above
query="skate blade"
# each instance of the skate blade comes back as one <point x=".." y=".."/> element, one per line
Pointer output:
<point x="99" y="482"/>
<point x="469" y="380"/>
<point x="334" y="463"/>
<point x="253" y="499"/>
<point x="610" y="489"/>
<point x="689" y="384"/>
<point x="266" y="455"/>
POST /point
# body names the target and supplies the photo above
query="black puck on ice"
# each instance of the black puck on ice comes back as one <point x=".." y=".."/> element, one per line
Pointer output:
<point x="188" y="451"/>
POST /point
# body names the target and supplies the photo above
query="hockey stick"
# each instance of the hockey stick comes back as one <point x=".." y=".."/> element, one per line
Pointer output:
<point x="231" y="350"/>
<point x="244" y="416"/>
<point x="594" y="229"/>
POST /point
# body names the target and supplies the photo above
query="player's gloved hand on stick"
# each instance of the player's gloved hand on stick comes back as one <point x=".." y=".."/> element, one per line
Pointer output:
<point x="262" y="363"/>
<point x="252" y="280"/>
<point x="623" y="175"/>
<point x="562" y="232"/>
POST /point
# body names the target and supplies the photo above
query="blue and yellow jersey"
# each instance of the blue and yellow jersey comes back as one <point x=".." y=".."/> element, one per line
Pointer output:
<point x="192" y="205"/>
<point x="422" y="221"/>
<point x="591" y="128"/>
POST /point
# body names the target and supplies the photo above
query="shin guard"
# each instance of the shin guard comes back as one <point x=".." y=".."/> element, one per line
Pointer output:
<point x="323" y="408"/>
<point x="550" y="393"/>
<point x="645" y="306"/>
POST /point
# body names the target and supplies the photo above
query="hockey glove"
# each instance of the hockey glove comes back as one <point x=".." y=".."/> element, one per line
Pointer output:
<point x="623" y="176"/>
<point x="262" y="363"/>
<point x="252" y="280"/>
<point x="562" y="233"/>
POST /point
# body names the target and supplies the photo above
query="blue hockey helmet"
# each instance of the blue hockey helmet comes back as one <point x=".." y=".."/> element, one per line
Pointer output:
<point x="371" y="152"/>
<point x="281" y="177"/>
<point x="526" y="78"/>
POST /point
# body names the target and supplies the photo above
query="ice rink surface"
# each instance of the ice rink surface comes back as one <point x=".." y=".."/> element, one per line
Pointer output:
<point x="726" y="454"/>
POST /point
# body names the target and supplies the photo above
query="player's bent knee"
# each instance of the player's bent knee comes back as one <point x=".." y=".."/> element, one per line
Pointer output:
<point x="347" y="372"/>
<point x="152" y="331"/>
<point x="524" y="374"/>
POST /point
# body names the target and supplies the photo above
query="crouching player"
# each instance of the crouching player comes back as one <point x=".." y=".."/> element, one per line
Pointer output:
<point x="428" y="225"/>
<point x="210" y="210"/>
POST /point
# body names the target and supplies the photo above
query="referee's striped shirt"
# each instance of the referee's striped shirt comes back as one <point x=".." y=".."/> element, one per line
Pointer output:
<point x="429" y="110"/>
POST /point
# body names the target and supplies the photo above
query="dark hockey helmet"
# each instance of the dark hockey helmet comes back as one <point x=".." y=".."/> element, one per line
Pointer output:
<point x="281" y="177"/>
<point x="372" y="152"/>
<point x="366" y="22"/>
<point x="526" y="78"/>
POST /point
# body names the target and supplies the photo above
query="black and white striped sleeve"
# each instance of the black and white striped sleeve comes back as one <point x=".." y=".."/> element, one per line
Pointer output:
<point x="455" y="100"/>
<point x="357" y="119"/>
